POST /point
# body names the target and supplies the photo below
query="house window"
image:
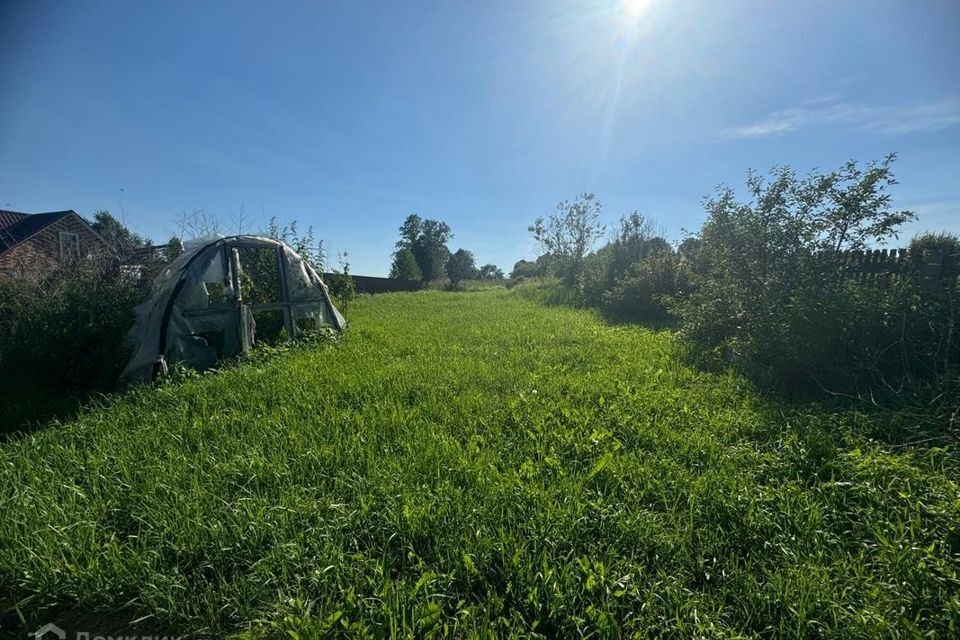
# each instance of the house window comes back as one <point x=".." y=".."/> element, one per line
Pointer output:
<point x="69" y="245"/>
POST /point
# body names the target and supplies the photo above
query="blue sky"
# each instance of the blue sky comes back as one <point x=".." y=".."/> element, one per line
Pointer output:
<point x="350" y="115"/>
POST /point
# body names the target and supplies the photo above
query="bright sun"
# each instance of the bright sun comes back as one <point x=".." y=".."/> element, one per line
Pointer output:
<point x="633" y="10"/>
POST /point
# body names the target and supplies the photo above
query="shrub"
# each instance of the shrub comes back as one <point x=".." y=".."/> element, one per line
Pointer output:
<point x="773" y="297"/>
<point x="514" y="281"/>
<point x="62" y="333"/>
<point x="635" y="239"/>
<point x="539" y="268"/>
<point x="928" y="308"/>
<point x="306" y="244"/>
<point x="648" y="290"/>
<point x="633" y="242"/>
<point x="594" y="278"/>
<point x="341" y="284"/>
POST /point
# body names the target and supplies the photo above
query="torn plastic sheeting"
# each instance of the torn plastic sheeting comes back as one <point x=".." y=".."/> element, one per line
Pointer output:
<point x="196" y="313"/>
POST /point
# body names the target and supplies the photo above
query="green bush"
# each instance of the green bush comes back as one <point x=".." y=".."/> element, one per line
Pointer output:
<point x="612" y="274"/>
<point x="62" y="335"/>
<point x="648" y="290"/>
<point x="594" y="278"/>
<point x="773" y="296"/>
<point x="539" y="268"/>
<point x="342" y="288"/>
<point x="341" y="284"/>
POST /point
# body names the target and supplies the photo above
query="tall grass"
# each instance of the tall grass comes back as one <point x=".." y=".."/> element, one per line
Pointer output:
<point x="470" y="462"/>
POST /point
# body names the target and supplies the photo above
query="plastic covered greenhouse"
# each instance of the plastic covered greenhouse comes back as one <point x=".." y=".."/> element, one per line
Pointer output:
<point x="220" y="297"/>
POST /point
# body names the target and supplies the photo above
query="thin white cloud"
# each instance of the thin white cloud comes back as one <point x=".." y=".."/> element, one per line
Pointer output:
<point x="886" y="120"/>
<point x="937" y="214"/>
<point x="932" y="216"/>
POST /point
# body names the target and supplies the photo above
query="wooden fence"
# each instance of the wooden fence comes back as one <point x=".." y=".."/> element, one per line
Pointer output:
<point x="372" y="284"/>
<point x="880" y="264"/>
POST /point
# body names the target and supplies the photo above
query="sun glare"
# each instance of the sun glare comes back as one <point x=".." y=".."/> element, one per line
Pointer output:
<point x="633" y="10"/>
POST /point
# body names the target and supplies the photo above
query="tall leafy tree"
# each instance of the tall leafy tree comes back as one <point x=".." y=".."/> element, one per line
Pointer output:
<point x="431" y="249"/>
<point x="121" y="239"/>
<point x="461" y="266"/>
<point x="427" y="240"/>
<point x="410" y="230"/>
<point x="524" y="269"/>
<point x="568" y="234"/>
<point x="851" y="206"/>
<point x="490" y="272"/>
<point x="405" y="265"/>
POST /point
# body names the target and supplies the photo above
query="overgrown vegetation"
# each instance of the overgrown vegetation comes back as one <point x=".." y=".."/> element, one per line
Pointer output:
<point x="61" y="337"/>
<point x="121" y="240"/>
<point x="635" y="276"/>
<point x="495" y="461"/>
<point x="774" y="292"/>
<point x="62" y="332"/>
<point x="767" y="285"/>
<point x="342" y="287"/>
<point x="475" y="464"/>
<point x="305" y="243"/>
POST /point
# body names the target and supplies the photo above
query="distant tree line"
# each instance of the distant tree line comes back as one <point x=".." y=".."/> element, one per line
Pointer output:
<point x="422" y="254"/>
<point x="764" y="286"/>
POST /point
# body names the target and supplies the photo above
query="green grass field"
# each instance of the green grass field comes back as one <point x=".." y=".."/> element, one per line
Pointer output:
<point x="479" y="464"/>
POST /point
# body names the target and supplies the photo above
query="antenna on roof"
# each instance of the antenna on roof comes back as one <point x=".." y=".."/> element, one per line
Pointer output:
<point x="123" y="210"/>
